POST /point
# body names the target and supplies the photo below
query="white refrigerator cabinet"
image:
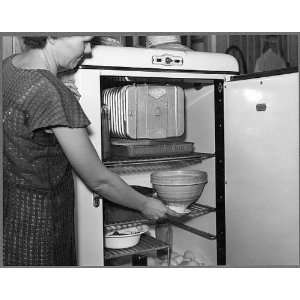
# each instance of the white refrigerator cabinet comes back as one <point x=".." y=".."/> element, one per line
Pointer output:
<point x="250" y="125"/>
<point x="261" y="119"/>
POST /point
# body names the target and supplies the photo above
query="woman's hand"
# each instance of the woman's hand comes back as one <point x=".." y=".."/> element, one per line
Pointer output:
<point x="154" y="208"/>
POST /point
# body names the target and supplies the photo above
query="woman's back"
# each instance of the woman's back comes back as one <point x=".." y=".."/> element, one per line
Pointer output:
<point x="38" y="184"/>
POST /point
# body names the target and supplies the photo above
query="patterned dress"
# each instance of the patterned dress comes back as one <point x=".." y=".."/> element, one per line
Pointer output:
<point x="38" y="189"/>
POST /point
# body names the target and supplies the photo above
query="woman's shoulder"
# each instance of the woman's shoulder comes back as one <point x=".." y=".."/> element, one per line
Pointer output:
<point x="6" y="60"/>
<point x="35" y="79"/>
<point x="54" y="84"/>
<point x="7" y="65"/>
<point x="38" y="77"/>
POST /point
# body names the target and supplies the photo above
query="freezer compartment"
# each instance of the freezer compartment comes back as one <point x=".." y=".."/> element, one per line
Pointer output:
<point x="145" y="111"/>
<point x="159" y="107"/>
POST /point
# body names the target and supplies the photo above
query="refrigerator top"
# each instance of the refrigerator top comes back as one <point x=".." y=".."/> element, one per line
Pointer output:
<point x="164" y="59"/>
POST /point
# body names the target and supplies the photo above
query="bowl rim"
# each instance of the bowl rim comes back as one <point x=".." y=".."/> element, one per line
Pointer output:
<point x="179" y="184"/>
<point x="125" y="235"/>
<point x="193" y="176"/>
<point x="158" y="173"/>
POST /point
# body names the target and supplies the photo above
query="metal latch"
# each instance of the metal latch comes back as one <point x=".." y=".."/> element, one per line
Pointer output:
<point x="167" y="60"/>
<point x="261" y="107"/>
<point x="96" y="200"/>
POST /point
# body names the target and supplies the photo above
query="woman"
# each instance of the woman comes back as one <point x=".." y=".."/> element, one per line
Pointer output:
<point x="45" y="138"/>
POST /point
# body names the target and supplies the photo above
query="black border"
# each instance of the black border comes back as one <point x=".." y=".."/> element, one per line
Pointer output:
<point x="157" y="69"/>
<point x="1" y="160"/>
<point x="240" y="77"/>
<point x="265" y="74"/>
<point x="220" y="172"/>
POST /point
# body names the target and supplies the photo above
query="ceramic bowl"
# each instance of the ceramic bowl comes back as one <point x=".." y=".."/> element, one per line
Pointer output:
<point x="124" y="238"/>
<point x="179" y="189"/>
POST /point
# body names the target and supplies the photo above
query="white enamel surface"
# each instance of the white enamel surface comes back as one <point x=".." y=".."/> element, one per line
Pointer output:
<point x="143" y="58"/>
<point x="262" y="171"/>
<point x="200" y="118"/>
<point x="89" y="220"/>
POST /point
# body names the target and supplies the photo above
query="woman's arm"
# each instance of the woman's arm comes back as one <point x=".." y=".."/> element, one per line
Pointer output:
<point x="85" y="161"/>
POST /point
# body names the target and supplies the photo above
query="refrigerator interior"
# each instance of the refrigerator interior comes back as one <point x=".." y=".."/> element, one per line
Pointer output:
<point x="200" y="130"/>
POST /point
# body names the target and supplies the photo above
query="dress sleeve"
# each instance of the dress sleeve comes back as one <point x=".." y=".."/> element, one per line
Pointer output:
<point x="54" y="105"/>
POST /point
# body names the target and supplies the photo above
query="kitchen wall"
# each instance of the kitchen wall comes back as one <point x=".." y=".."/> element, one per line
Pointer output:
<point x="252" y="47"/>
<point x="10" y="45"/>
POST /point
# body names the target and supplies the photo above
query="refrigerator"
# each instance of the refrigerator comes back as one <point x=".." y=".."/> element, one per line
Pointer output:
<point x="245" y="131"/>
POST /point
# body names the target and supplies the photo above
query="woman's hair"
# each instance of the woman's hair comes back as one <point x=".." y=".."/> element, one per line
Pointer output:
<point x="35" y="42"/>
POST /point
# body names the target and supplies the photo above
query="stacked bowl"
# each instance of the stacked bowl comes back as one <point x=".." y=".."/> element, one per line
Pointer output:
<point x="179" y="189"/>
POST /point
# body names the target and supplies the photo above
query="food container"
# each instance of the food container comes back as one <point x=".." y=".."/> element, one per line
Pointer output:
<point x="179" y="189"/>
<point x="124" y="238"/>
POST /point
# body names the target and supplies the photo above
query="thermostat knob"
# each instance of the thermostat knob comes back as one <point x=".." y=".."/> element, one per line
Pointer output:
<point x="168" y="60"/>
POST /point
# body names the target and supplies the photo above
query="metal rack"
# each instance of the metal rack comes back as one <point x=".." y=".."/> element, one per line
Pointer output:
<point x="147" y="243"/>
<point x="196" y="209"/>
<point x="156" y="163"/>
<point x="130" y="166"/>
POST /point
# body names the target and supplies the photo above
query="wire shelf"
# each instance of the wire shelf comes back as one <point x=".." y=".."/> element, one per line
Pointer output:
<point x="156" y="163"/>
<point x="128" y="224"/>
<point x="196" y="209"/>
<point x="146" y="245"/>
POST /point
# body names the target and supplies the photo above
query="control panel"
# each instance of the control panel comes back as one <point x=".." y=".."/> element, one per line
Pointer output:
<point x="167" y="60"/>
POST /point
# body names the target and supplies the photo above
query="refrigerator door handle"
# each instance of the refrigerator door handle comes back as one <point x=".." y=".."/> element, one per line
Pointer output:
<point x="261" y="107"/>
<point x="96" y="200"/>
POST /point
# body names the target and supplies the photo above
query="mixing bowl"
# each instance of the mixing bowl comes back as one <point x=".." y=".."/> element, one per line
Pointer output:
<point x="179" y="189"/>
